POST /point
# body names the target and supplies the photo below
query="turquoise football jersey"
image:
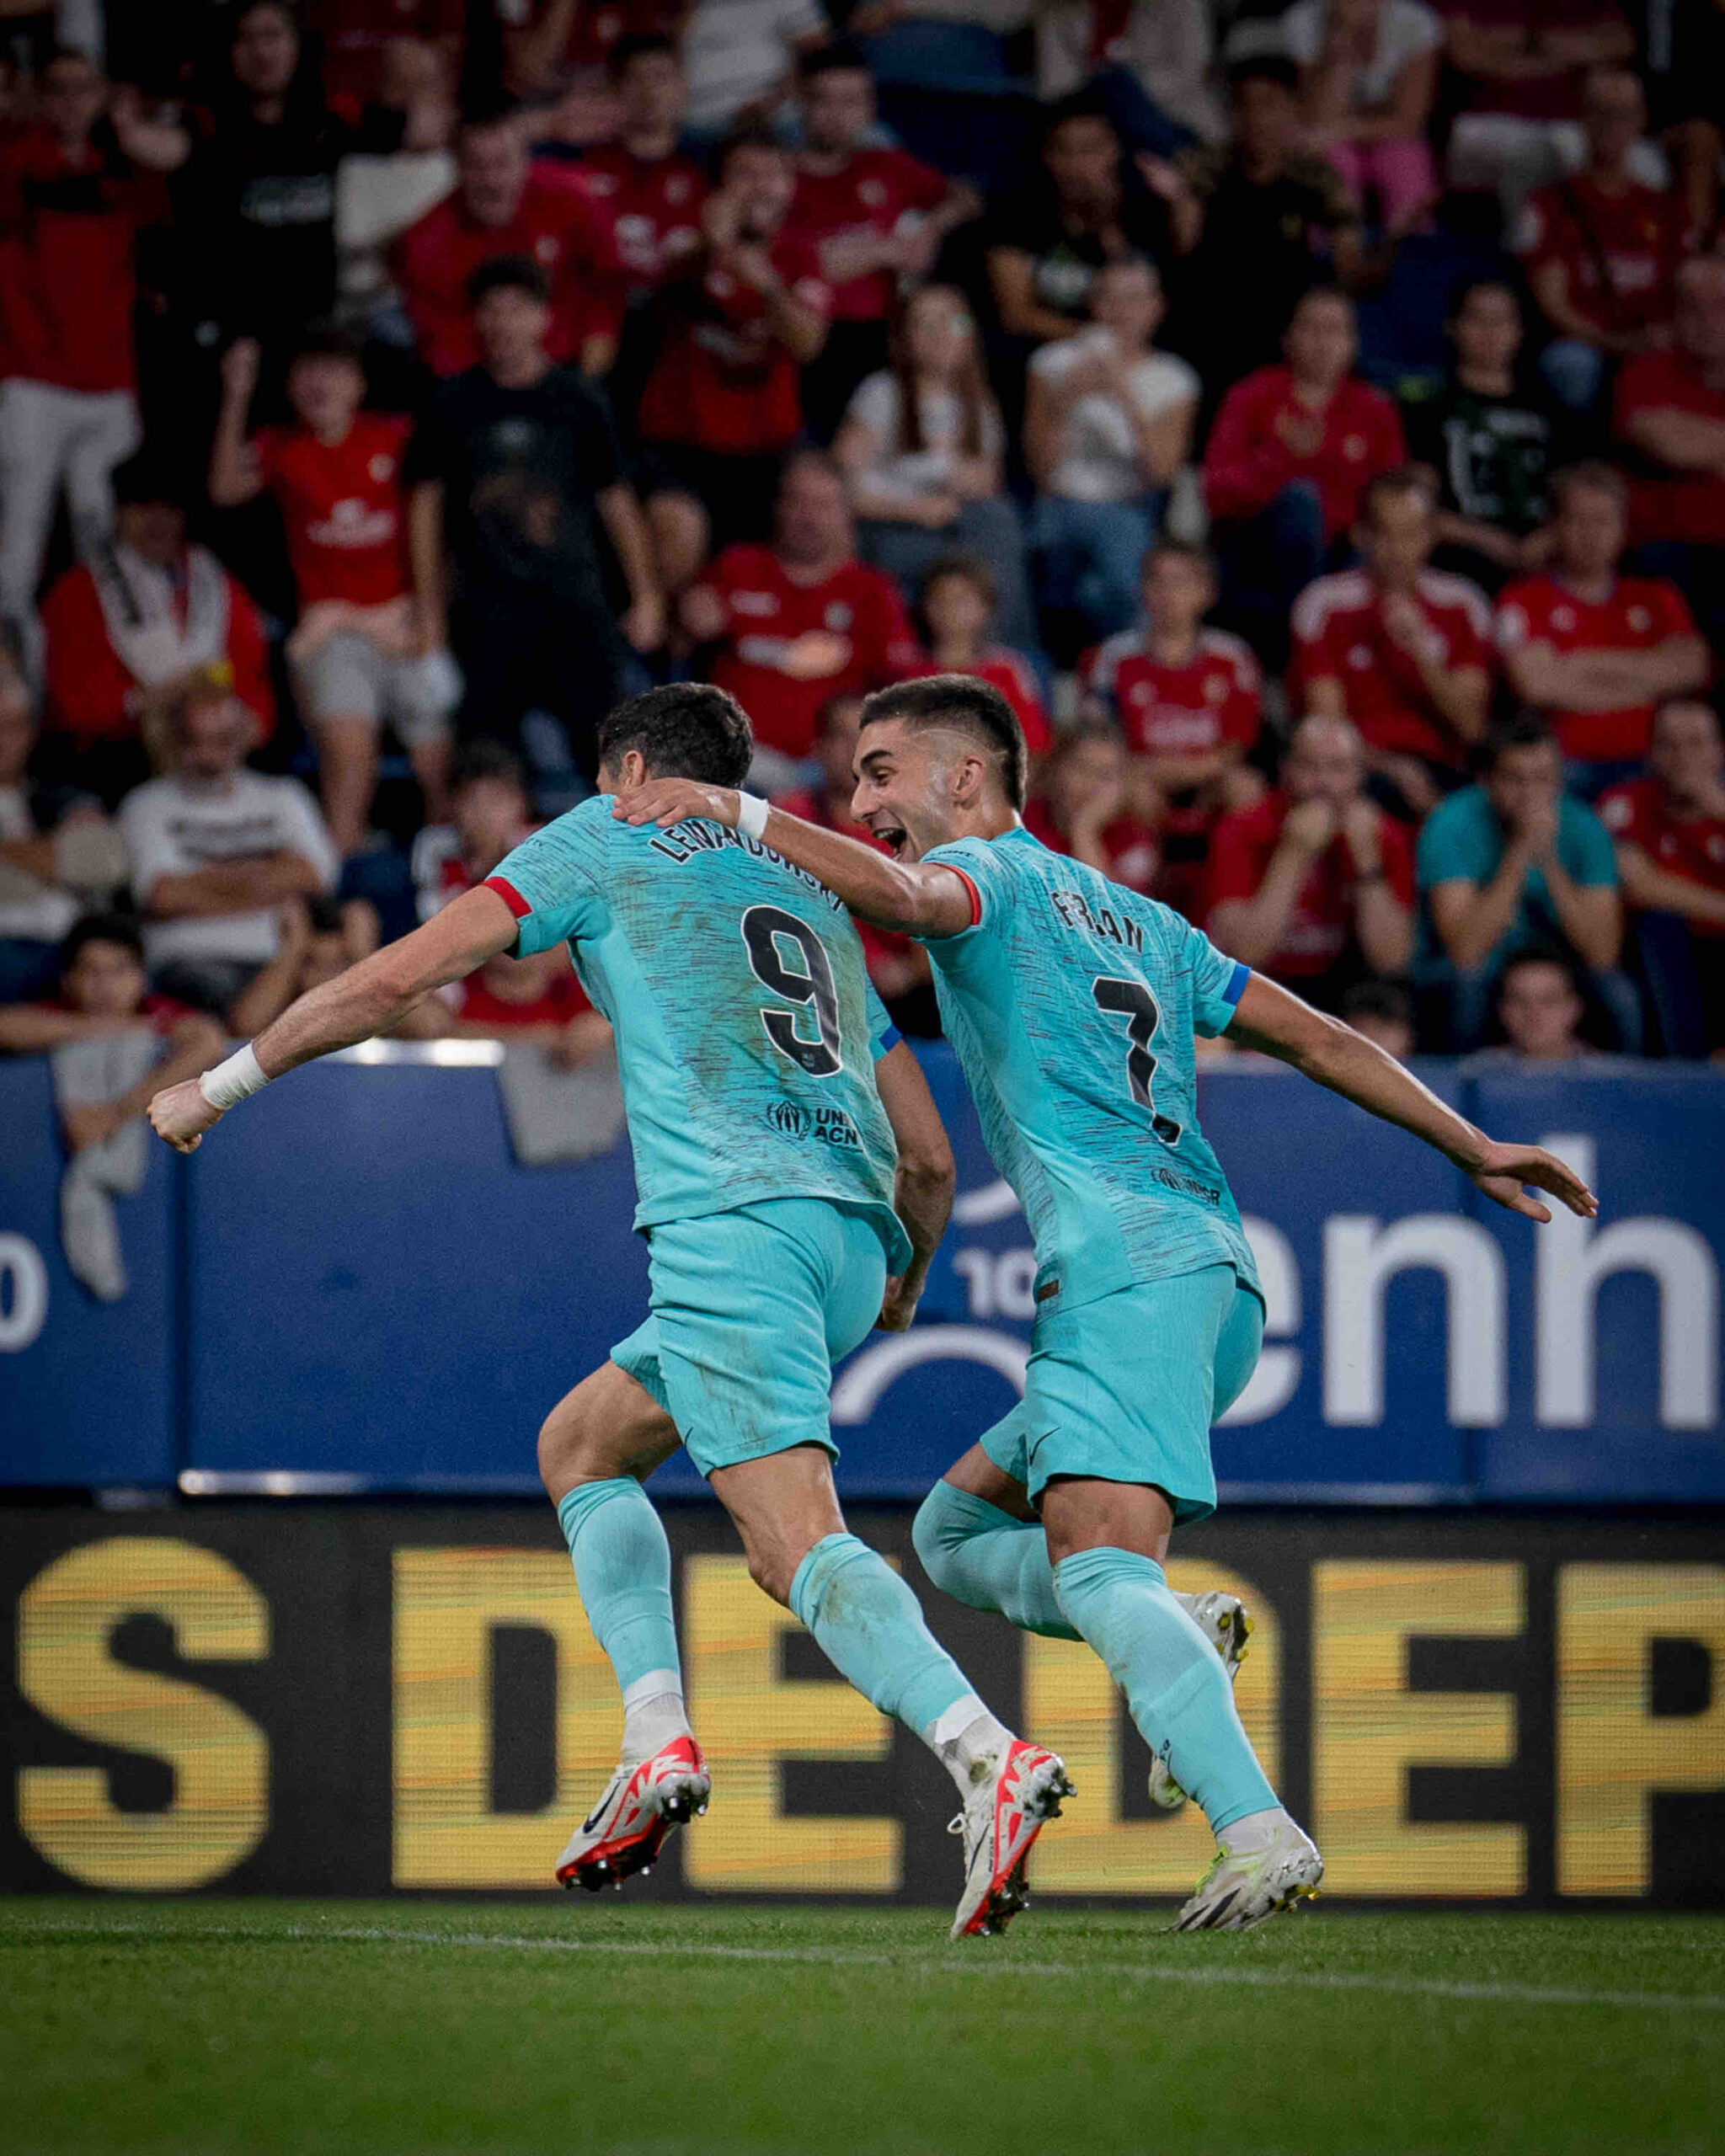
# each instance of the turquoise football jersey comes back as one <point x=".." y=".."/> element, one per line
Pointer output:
<point x="747" y="1028"/>
<point x="1072" y="1003"/>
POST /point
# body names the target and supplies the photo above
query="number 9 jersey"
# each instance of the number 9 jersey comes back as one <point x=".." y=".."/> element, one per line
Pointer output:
<point x="1072" y="1003"/>
<point x="747" y="1028"/>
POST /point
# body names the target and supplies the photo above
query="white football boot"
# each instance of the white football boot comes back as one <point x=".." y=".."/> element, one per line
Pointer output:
<point x="1242" y="1888"/>
<point x="625" y="1831"/>
<point x="1227" y="1623"/>
<point x="1001" y="1819"/>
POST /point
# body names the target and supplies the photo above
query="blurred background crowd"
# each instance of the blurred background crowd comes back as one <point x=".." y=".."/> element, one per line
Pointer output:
<point x="1312" y="420"/>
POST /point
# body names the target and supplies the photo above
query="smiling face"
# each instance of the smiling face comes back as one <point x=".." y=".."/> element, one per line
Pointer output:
<point x="906" y="784"/>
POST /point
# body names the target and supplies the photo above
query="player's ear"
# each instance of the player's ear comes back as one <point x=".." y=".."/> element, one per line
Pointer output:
<point x="631" y="773"/>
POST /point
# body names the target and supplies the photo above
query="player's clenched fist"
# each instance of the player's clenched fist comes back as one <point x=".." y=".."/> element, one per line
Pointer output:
<point x="182" y="1115"/>
<point x="668" y="801"/>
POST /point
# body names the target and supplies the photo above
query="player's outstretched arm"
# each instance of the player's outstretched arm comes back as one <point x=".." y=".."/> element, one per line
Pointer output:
<point x="915" y="899"/>
<point x="922" y="1191"/>
<point x="1270" y="1019"/>
<point x="368" y="999"/>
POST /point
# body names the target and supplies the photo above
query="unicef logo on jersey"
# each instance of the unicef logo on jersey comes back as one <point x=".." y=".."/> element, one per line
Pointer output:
<point x="788" y="1119"/>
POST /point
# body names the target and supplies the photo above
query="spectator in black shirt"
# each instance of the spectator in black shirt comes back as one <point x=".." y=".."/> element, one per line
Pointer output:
<point x="1088" y="204"/>
<point x="255" y="202"/>
<point x="1488" y="435"/>
<point x="512" y="462"/>
<point x="1258" y="219"/>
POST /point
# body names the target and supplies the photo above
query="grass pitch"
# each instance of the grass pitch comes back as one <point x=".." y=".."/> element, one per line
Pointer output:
<point x="384" y="2027"/>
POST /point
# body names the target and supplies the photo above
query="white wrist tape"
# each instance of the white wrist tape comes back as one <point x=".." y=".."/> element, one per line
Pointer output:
<point x="751" y="815"/>
<point x="233" y="1081"/>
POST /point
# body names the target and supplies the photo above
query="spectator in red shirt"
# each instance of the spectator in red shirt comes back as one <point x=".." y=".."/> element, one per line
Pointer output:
<point x="956" y="606"/>
<point x="1186" y="700"/>
<point x="1516" y="72"/>
<point x="745" y="311"/>
<point x="1398" y="649"/>
<point x="1315" y="885"/>
<point x="357" y="655"/>
<point x="1085" y="806"/>
<point x="1669" y="828"/>
<point x="802" y="621"/>
<point x="898" y="967"/>
<point x="74" y="190"/>
<point x="356" y="37"/>
<point x="505" y="204"/>
<point x="644" y="194"/>
<point x="877" y="216"/>
<point x="128" y="634"/>
<point x="1594" y="650"/>
<point x="1671" y="412"/>
<point x="1601" y="249"/>
<point x="1291" y="449"/>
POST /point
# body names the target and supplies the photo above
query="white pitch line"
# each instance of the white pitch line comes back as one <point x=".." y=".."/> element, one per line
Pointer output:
<point x="949" y="1964"/>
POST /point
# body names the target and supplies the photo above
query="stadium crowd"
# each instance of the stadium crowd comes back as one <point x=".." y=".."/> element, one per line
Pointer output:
<point x="1312" y="422"/>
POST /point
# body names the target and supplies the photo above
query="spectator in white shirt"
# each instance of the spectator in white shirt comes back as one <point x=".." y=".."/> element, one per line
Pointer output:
<point x="740" y="56"/>
<point x="922" y="448"/>
<point x="216" y="851"/>
<point x="1108" y="425"/>
<point x="1367" y="80"/>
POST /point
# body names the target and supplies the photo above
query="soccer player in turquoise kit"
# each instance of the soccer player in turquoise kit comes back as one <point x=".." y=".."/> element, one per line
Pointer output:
<point x="1073" y="1003"/>
<point x="765" y="1092"/>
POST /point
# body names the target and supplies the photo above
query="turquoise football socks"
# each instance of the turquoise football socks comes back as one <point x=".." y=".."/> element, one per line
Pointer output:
<point x="985" y="1559"/>
<point x="622" y="1569"/>
<point x="1173" y="1678"/>
<point x="872" y="1630"/>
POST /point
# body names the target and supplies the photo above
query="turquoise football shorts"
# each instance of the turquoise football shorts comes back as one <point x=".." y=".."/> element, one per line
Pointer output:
<point x="750" y="1309"/>
<point x="1126" y="1388"/>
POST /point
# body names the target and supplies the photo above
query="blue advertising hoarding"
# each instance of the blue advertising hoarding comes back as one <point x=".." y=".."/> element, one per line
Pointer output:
<point x="359" y="1283"/>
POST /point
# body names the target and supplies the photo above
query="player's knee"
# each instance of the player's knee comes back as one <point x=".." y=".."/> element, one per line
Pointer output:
<point x="936" y="1533"/>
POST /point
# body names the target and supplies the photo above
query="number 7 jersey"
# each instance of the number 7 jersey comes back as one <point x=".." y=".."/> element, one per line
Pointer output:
<point x="746" y="1028"/>
<point x="1072" y="1003"/>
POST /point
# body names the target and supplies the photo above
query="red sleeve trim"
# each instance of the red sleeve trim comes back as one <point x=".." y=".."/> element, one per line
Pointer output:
<point x="510" y="895"/>
<point x="975" y="895"/>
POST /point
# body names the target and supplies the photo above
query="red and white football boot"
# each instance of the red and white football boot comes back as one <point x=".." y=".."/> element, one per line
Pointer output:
<point x="1001" y="1821"/>
<point x="625" y="1831"/>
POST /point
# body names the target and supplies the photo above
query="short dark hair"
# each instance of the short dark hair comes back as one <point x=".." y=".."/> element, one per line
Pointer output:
<point x="509" y="273"/>
<point x="1526" y="729"/>
<point x="1264" y="67"/>
<point x="752" y="136"/>
<point x="101" y="928"/>
<point x="1378" y="998"/>
<point x="1592" y="472"/>
<point x="1082" y="104"/>
<point x="323" y="912"/>
<point x="326" y="340"/>
<point x="482" y="761"/>
<point x="686" y="729"/>
<point x="1400" y="479"/>
<point x="148" y="476"/>
<point x="636" y="46"/>
<point x="839" y="58"/>
<point x="970" y="707"/>
<point x="1182" y="550"/>
<point x="973" y="569"/>
<point x="1464" y="292"/>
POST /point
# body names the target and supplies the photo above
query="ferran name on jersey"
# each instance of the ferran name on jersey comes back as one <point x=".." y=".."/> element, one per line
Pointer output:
<point x="695" y="835"/>
<point x="1077" y="914"/>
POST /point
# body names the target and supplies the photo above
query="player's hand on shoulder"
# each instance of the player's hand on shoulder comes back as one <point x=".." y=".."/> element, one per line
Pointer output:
<point x="668" y="801"/>
<point x="1503" y="1171"/>
<point x="181" y="1115"/>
